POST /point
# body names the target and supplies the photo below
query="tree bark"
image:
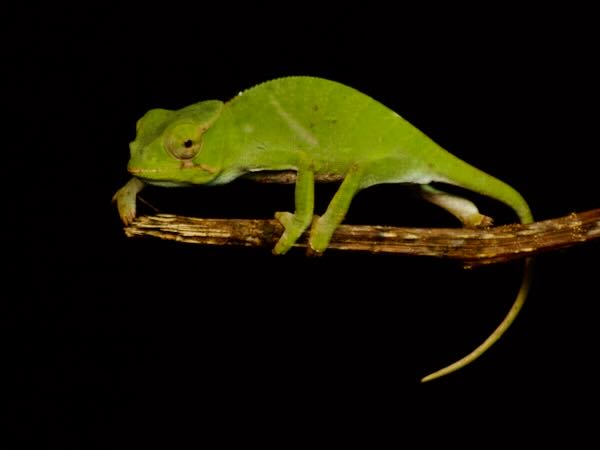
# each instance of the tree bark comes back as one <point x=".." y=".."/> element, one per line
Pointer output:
<point x="471" y="246"/>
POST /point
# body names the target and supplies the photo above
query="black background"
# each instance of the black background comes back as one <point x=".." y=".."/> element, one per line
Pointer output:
<point x="131" y="340"/>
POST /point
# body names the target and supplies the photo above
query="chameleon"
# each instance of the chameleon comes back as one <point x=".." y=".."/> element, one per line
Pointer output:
<point x="316" y="129"/>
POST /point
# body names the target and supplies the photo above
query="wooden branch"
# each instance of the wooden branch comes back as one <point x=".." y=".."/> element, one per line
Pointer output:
<point x="472" y="246"/>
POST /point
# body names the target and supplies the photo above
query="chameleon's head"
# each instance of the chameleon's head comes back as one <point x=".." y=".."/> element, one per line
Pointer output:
<point x="170" y="146"/>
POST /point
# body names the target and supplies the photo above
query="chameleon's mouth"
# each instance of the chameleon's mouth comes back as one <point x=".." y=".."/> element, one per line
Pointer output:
<point x="138" y="171"/>
<point x="147" y="175"/>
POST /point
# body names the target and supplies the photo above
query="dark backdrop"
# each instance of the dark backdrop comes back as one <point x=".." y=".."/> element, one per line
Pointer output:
<point x="152" y="339"/>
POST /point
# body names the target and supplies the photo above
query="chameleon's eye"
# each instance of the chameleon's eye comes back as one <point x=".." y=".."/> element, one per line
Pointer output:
<point x="184" y="150"/>
<point x="183" y="142"/>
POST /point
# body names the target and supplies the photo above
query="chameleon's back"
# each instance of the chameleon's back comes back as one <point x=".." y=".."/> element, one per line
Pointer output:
<point x="326" y="119"/>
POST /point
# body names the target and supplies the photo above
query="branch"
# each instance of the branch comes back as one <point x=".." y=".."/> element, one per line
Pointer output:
<point x="471" y="246"/>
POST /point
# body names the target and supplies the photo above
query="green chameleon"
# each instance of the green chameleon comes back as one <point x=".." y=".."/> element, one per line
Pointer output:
<point x="320" y="130"/>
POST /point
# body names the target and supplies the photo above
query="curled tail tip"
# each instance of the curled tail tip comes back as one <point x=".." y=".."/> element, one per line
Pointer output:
<point x="496" y="334"/>
<point x="454" y="366"/>
<point x="432" y="376"/>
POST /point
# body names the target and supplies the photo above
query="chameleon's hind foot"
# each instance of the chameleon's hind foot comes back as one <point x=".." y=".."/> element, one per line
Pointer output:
<point x="461" y="208"/>
<point x="484" y="221"/>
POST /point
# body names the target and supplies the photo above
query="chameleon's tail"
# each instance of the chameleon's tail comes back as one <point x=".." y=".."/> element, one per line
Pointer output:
<point x="480" y="182"/>
<point x="498" y="332"/>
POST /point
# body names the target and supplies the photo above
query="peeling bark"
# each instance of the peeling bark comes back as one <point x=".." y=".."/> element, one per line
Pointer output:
<point x="471" y="246"/>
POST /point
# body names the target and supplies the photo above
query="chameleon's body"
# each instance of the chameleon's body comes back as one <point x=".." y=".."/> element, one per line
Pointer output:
<point x="319" y="129"/>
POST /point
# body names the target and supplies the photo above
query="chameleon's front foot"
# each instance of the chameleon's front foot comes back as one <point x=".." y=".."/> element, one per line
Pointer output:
<point x="126" y="199"/>
<point x="320" y="235"/>
<point x="294" y="227"/>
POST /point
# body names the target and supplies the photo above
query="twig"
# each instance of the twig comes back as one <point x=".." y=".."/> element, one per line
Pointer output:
<point x="472" y="246"/>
